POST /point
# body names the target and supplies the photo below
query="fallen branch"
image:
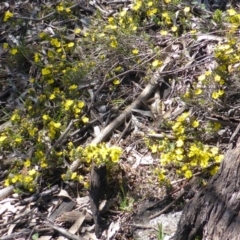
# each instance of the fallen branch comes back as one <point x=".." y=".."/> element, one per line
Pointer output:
<point x="62" y="231"/>
<point x="125" y="115"/>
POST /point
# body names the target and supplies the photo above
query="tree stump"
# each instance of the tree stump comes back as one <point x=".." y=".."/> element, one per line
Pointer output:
<point x="97" y="190"/>
<point x="214" y="212"/>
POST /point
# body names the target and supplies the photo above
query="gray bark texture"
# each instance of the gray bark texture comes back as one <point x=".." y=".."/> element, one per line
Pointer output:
<point x="214" y="212"/>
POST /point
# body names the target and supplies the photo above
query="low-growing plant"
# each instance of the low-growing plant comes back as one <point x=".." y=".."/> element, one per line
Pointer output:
<point x="68" y="58"/>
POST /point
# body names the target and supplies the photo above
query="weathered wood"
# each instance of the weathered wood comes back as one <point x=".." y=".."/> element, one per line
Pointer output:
<point x="213" y="214"/>
<point x="97" y="191"/>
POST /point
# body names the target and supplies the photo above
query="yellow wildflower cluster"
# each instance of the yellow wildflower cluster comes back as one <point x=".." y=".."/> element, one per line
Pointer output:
<point x="208" y="86"/>
<point x="73" y="106"/>
<point x="183" y="153"/>
<point x="26" y="178"/>
<point x="67" y="60"/>
<point x="96" y="153"/>
<point x="61" y="8"/>
<point x="233" y="17"/>
<point x="102" y="153"/>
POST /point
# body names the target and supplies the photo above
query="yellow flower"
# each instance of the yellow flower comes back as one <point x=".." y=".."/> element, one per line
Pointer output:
<point x="167" y="1"/>
<point x="174" y="28"/>
<point x="123" y="13"/>
<point x="60" y="8"/>
<point x="27" y="163"/>
<point x="52" y="96"/>
<point x="154" y="148"/>
<point x="45" y="71"/>
<point x="43" y="163"/>
<point x="71" y="44"/>
<point x="219" y="158"/>
<point x="113" y="27"/>
<point x="111" y="20"/>
<point x="179" y="143"/>
<point x="68" y="104"/>
<point x="116" y="81"/>
<point x="186" y="10"/>
<point x="216" y="95"/>
<point x="50" y="81"/>
<point x="181" y="119"/>
<point x="179" y="151"/>
<point x="80" y="104"/>
<point x="137" y="5"/>
<point x="18" y="140"/>
<point x="14" y="51"/>
<point x="195" y="124"/>
<point x="163" y="32"/>
<point x="150" y="4"/>
<point x="7" y="16"/>
<point x="134" y="28"/>
<point x="156" y="63"/>
<point x="214" y="150"/>
<point x="55" y="42"/>
<point x="114" y="43"/>
<point x="208" y="73"/>
<point x="15" y="117"/>
<point x="42" y="35"/>
<point x="55" y="124"/>
<point x="15" y="179"/>
<point x="7" y="183"/>
<point x="5" y="46"/>
<point x="188" y="174"/>
<point x="198" y="91"/>
<point x="118" y="69"/>
<point x="202" y="77"/>
<point x="73" y="87"/>
<point x="2" y="138"/>
<point x="151" y="12"/>
<point x="32" y="172"/>
<point x="74" y="176"/>
<point x="50" y="54"/>
<point x="231" y="12"/>
<point x="135" y="51"/>
<point x="115" y="154"/>
<point x="77" y="30"/>
<point x="85" y="119"/>
<point x="214" y="170"/>
<point x="217" y="78"/>
<point x="68" y="10"/>
<point x="36" y="57"/>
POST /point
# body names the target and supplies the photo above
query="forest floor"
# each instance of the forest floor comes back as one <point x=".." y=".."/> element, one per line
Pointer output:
<point x="147" y="91"/>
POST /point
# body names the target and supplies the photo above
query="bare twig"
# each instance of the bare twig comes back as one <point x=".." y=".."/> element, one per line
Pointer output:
<point x="168" y="206"/>
<point x="61" y="138"/>
<point x="48" y="15"/>
<point x="5" y="192"/>
<point x="62" y="231"/>
<point x="235" y="133"/>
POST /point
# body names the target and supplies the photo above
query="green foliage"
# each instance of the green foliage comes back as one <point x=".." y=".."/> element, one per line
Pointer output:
<point x="35" y="236"/>
<point x="186" y="154"/>
<point x="126" y="202"/>
<point x="218" y="16"/>
<point x="160" y="234"/>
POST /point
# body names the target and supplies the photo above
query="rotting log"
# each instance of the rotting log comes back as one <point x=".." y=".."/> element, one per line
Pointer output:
<point x="214" y="212"/>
